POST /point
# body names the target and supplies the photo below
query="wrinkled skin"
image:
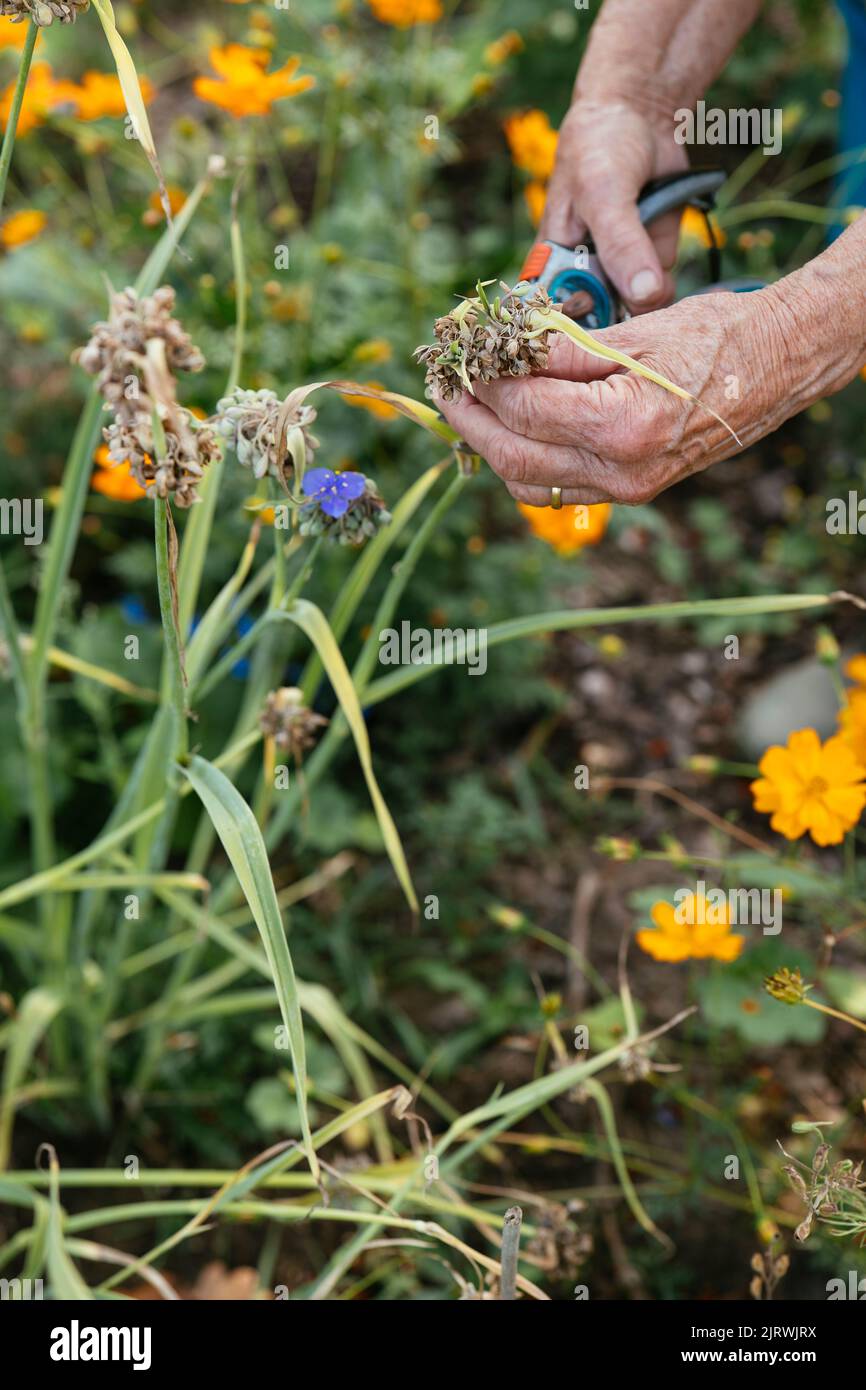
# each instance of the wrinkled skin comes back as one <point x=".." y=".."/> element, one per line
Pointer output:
<point x="607" y="151"/>
<point x="606" y="435"/>
<point x="603" y="434"/>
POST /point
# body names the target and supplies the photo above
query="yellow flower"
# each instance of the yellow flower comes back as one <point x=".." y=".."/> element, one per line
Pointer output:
<point x="12" y="35"/>
<point x="261" y="510"/>
<point x="811" y="787"/>
<point x="156" y="212"/>
<point x="852" y="723"/>
<point x="381" y="409"/>
<point x="114" y="480"/>
<point x="532" y="141"/>
<point x="695" y="930"/>
<point x="42" y="95"/>
<point x="243" y="87"/>
<point x="373" y="350"/>
<point x="100" y="94"/>
<point x="693" y="229"/>
<point x="855" y="669"/>
<point x="570" y="528"/>
<point x="402" y="14"/>
<point x="503" y="48"/>
<point x="535" y="194"/>
<point x="21" y="227"/>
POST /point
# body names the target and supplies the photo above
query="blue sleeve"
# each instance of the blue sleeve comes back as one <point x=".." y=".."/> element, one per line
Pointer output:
<point x="851" y="184"/>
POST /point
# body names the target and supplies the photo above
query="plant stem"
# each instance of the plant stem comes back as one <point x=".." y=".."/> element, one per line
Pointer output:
<point x="835" y="1013"/>
<point x="509" y="1253"/>
<point x="174" y="660"/>
<point x="15" y="109"/>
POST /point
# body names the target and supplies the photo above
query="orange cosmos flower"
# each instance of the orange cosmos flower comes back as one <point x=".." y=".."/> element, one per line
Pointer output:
<point x="852" y="723"/>
<point x="381" y="409"/>
<point x="532" y="141"/>
<point x="535" y="194"/>
<point x="42" y="95"/>
<point x="12" y="35"/>
<point x="114" y="480"/>
<point x="570" y="528"/>
<point x="156" y="212"/>
<point x="502" y="49"/>
<point x="855" y="669"/>
<point x="21" y="227"/>
<point x="243" y="87"/>
<point x="810" y="787"/>
<point x="693" y="229"/>
<point x="694" y="930"/>
<point x="100" y="94"/>
<point x="403" y="14"/>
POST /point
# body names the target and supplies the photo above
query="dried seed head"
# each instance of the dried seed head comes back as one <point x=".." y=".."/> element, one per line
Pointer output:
<point x="802" y="1231"/>
<point x="286" y="719"/>
<point x="178" y="469"/>
<point x="636" y="1063"/>
<point x="44" y="12"/>
<point x="480" y="342"/>
<point x="134" y="355"/>
<point x="787" y="986"/>
<point x="117" y="351"/>
<point x="819" y="1158"/>
<point x="249" y="421"/>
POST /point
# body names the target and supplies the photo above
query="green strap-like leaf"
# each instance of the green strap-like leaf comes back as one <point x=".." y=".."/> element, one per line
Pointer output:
<point x="36" y="1011"/>
<point x="313" y="622"/>
<point x="67" y="1284"/>
<point x="242" y="841"/>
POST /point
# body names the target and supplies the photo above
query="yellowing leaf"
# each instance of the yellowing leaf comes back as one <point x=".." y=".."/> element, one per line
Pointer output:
<point x="552" y="318"/>
<point x="313" y="622"/>
<point x="131" y="89"/>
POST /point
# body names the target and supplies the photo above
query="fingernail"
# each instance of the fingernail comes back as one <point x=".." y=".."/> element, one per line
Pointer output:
<point x="644" y="285"/>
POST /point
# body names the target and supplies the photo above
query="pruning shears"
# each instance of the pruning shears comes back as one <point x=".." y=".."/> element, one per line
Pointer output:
<point x="568" y="270"/>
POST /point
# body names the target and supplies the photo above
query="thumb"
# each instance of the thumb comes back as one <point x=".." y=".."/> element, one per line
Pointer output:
<point x="625" y="248"/>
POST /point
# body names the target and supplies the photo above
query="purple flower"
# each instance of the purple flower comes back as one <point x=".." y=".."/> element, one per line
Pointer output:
<point x="333" y="492"/>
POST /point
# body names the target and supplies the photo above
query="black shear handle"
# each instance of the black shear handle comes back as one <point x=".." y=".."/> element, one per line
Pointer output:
<point x="694" y="188"/>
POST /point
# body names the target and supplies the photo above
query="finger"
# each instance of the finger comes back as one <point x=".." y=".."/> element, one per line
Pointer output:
<point x="665" y="234"/>
<point x="520" y="460"/>
<point x="570" y="362"/>
<point x="571" y="496"/>
<point x="625" y="247"/>
<point x="548" y="409"/>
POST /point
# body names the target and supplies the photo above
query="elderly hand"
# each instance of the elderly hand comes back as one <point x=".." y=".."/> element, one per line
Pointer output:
<point x="604" y="434"/>
<point x="607" y="150"/>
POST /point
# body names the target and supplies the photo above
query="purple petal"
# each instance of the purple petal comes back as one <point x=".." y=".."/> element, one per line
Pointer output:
<point x="333" y="506"/>
<point x="316" y="479"/>
<point x="351" y="485"/>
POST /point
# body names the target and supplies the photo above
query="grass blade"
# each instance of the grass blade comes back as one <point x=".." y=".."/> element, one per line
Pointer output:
<point x="66" y="1283"/>
<point x="566" y="619"/>
<point x="242" y="841"/>
<point x="312" y="621"/>
<point x="36" y="1012"/>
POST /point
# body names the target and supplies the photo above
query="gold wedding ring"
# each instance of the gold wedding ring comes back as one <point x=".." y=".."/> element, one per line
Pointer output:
<point x="556" y="498"/>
